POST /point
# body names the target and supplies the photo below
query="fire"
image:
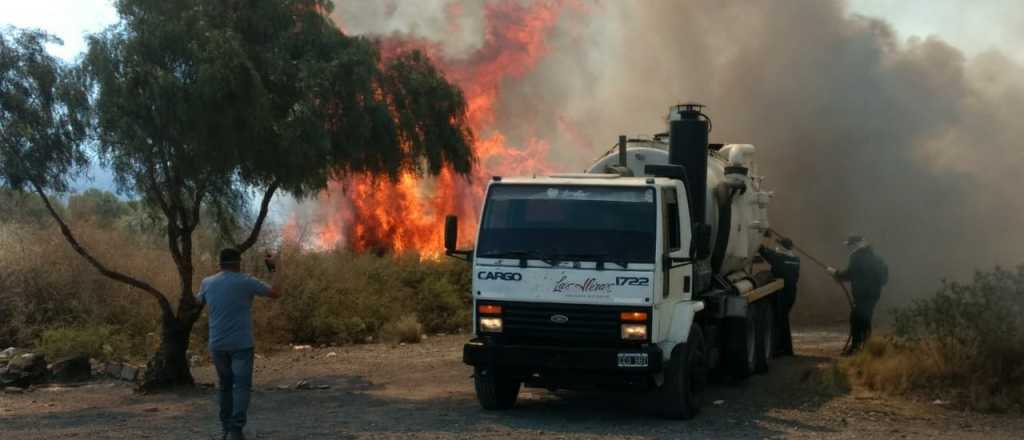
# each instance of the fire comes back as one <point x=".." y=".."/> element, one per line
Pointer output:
<point x="407" y="215"/>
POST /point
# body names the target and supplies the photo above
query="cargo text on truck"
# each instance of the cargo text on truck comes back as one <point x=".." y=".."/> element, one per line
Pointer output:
<point x="638" y="274"/>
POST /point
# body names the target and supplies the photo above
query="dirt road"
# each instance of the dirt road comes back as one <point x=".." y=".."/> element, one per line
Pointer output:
<point x="423" y="391"/>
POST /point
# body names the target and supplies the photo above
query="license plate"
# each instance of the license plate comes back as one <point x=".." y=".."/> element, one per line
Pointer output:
<point x="632" y="360"/>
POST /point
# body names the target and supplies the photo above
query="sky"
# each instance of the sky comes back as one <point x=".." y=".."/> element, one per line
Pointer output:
<point x="973" y="27"/>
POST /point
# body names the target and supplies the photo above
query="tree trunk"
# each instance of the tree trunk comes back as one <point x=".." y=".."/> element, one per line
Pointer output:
<point x="169" y="366"/>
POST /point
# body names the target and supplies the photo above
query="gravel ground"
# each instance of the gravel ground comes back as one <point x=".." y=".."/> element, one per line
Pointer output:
<point x="423" y="391"/>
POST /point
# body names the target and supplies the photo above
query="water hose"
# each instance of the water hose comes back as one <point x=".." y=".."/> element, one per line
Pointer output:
<point x="825" y="267"/>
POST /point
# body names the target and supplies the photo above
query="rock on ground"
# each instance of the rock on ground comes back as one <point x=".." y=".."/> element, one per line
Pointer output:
<point x="24" y="370"/>
<point x="71" y="369"/>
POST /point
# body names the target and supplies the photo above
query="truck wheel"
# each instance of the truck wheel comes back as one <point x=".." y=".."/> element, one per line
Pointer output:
<point x="494" y="390"/>
<point x="686" y="376"/>
<point x="743" y="344"/>
<point x="765" y="335"/>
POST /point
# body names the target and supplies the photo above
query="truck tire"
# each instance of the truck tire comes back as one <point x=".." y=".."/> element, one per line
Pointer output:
<point x="765" y="335"/>
<point x="743" y="336"/>
<point x="495" y="391"/>
<point x="686" y="377"/>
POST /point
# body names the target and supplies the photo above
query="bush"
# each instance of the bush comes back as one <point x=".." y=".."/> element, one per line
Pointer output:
<point x="407" y="329"/>
<point x="99" y="342"/>
<point x="967" y="340"/>
<point x="341" y="297"/>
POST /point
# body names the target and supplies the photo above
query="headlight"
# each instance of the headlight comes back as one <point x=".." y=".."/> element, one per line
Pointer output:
<point x="490" y="324"/>
<point x="634" y="332"/>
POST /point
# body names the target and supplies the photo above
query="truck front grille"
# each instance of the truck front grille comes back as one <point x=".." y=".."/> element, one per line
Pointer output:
<point x="584" y="324"/>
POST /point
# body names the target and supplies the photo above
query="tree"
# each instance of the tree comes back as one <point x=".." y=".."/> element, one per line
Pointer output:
<point x="197" y="103"/>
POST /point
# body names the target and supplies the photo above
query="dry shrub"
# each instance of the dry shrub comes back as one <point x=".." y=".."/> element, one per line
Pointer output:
<point x="832" y="379"/>
<point x="341" y="297"/>
<point x="407" y="329"/>
<point x="45" y="285"/>
<point x="51" y="296"/>
<point x="965" y="343"/>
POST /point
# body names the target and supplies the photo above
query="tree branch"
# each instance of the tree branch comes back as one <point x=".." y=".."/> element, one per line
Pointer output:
<point x="197" y="202"/>
<point x="165" y="306"/>
<point x="256" y="228"/>
<point x="172" y="223"/>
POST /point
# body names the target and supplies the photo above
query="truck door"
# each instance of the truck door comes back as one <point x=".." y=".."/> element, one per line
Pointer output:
<point x="676" y="276"/>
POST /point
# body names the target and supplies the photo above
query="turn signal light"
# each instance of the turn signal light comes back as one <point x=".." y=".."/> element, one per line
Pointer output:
<point x="633" y="316"/>
<point x="488" y="309"/>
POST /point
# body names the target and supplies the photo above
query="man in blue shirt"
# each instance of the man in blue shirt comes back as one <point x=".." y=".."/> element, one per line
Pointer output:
<point x="228" y="295"/>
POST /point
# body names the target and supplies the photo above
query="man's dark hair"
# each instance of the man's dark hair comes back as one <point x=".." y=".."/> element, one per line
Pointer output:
<point x="786" y="243"/>
<point x="230" y="257"/>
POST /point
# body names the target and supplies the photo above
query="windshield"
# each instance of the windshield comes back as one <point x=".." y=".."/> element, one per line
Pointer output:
<point x="569" y="223"/>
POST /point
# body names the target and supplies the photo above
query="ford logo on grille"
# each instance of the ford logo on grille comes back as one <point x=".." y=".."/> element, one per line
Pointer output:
<point x="559" y="319"/>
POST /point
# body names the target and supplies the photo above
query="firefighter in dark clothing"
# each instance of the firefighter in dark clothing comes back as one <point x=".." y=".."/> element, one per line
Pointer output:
<point x="785" y="265"/>
<point x="867" y="274"/>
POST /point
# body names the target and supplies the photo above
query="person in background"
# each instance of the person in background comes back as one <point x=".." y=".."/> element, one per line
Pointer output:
<point x="867" y="274"/>
<point x="228" y="295"/>
<point x="786" y="266"/>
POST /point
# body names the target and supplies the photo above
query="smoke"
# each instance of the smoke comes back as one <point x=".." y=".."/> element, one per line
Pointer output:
<point x="907" y="142"/>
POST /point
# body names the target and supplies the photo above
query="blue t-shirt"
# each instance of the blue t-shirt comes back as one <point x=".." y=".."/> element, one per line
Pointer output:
<point x="228" y="296"/>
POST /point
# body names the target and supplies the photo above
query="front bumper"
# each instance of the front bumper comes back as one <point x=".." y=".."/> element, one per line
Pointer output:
<point x="487" y="352"/>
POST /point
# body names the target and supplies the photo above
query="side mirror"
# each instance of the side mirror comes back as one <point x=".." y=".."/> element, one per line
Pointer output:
<point x="700" y="246"/>
<point x="451" y="239"/>
<point x="451" y="233"/>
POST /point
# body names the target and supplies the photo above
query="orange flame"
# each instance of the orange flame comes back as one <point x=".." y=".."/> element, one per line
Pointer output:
<point x="407" y="215"/>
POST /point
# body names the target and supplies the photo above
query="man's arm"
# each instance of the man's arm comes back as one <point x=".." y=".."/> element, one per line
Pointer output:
<point x="855" y="268"/>
<point x="769" y="255"/>
<point x="201" y="295"/>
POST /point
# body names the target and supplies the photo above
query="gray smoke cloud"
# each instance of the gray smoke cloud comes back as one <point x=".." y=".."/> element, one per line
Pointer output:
<point x="908" y="142"/>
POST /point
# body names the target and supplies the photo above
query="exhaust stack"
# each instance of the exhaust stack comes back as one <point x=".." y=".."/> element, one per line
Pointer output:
<point x="688" y="147"/>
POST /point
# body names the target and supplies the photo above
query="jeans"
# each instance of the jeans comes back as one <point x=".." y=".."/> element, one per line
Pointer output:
<point x="234" y="374"/>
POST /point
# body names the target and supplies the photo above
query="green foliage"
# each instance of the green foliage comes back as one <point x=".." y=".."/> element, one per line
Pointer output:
<point x="44" y="113"/>
<point x="203" y="100"/>
<point x="98" y="342"/>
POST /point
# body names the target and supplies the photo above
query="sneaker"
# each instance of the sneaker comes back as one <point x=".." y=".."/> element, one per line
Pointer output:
<point x="236" y="435"/>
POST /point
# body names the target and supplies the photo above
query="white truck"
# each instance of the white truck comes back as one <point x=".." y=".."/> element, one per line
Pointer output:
<point x="638" y="274"/>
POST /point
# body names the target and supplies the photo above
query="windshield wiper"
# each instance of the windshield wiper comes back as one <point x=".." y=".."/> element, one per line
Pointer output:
<point x="522" y="256"/>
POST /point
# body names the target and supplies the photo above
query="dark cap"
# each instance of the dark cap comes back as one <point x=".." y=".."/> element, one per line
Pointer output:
<point x="230" y="256"/>
<point x="853" y="239"/>
<point x="786" y="243"/>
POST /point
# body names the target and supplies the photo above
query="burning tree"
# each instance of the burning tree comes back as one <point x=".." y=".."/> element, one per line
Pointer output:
<point x="194" y="104"/>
